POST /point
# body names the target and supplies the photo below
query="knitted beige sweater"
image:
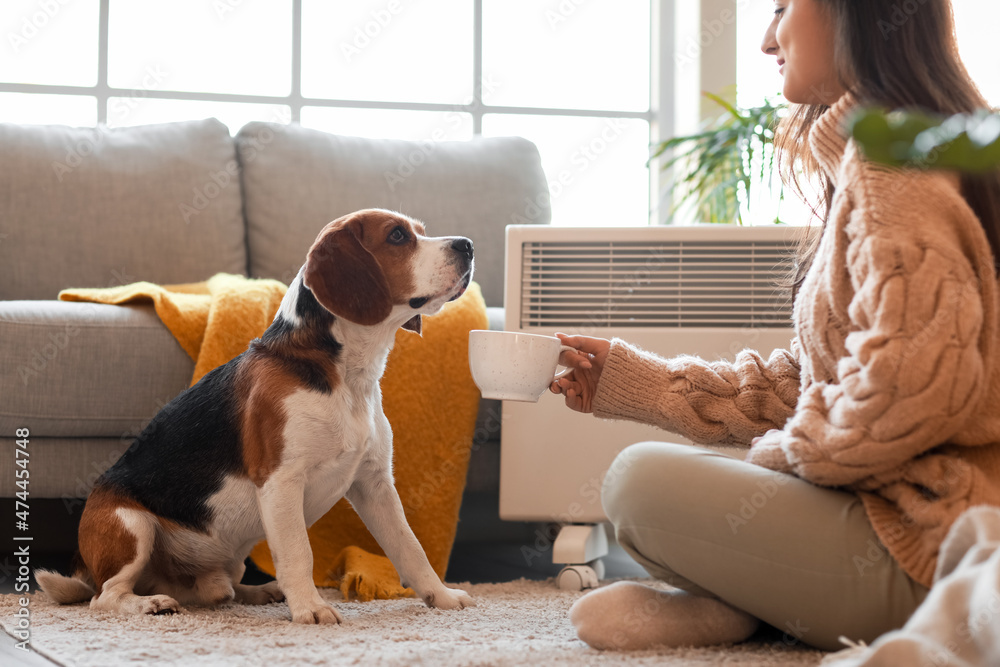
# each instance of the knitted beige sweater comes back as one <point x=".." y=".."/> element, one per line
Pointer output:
<point x="892" y="386"/>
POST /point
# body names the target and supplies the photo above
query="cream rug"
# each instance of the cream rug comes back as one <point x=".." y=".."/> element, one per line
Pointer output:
<point x="516" y="623"/>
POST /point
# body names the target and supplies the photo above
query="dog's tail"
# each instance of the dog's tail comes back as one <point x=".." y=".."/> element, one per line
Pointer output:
<point x="67" y="590"/>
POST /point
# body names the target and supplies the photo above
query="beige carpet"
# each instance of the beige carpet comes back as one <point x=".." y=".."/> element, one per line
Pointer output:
<point x="515" y="623"/>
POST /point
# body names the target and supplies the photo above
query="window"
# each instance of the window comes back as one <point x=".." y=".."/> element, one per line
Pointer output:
<point x="975" y="25"/>
<point x="571" y="75"/>
<point x="574" y="76"/>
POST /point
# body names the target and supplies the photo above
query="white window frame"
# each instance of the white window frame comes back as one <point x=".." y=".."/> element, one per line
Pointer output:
<point x="676" y="80"/>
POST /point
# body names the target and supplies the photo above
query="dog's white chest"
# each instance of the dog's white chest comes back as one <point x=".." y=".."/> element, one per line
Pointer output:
<point x="323" y="429"/>
<point x="326" y="438"/>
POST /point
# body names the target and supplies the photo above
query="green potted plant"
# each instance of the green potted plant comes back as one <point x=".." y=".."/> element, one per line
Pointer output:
<point x="720" y="167"/>
<point x="966" y="142"/>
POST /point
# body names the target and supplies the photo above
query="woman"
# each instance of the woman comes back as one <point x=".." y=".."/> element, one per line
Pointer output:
<point x="878" y="428"/>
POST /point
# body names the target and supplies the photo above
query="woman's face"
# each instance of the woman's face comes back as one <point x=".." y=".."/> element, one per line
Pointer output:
<point x="801" y="36"/>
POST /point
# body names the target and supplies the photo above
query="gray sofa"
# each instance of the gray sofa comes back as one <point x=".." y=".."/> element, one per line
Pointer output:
<point x="178" y="203"/>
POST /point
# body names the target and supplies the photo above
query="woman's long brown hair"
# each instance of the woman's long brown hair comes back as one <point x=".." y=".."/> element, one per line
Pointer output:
<point x="889" y="58"/>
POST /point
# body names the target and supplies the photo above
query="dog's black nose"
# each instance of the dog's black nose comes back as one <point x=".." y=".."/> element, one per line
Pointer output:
<point x="463" y="245"/>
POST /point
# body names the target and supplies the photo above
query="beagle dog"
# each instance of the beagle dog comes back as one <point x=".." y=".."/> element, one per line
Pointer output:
<point x="264" y="445"/>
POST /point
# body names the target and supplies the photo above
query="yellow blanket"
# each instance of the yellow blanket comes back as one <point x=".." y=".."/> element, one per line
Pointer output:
<point x="428" y="396"/>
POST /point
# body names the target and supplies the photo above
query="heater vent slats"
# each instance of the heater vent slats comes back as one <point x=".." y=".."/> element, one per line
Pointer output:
<point x="695" y="283"/>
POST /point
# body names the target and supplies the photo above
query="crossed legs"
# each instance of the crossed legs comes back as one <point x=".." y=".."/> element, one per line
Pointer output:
<point x="741" y="543"/>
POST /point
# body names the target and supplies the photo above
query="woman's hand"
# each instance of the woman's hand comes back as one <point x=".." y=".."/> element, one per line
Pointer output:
<point x="579" y="385"/>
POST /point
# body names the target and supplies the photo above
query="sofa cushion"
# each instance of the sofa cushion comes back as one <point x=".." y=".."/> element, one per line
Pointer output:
<point x="85" y="369"/>
<point x="296" y="180"/>
<point x="92" y="207"/>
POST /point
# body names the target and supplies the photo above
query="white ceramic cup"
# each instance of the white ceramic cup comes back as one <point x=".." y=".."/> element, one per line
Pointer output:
<point x="512" y="366"/>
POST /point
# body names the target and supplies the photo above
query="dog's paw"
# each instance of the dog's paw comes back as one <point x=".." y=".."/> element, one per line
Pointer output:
<point x="158" y="604"/>
<point x="262" y="594"/>
<point x="449" y="598"/>
<point x="319" y="614"/>
<point x="271" y="592"/>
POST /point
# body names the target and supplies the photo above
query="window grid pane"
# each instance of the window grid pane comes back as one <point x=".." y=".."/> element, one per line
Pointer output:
<point x="593" y="55"/>
<point x="33" y="31"/>
<point x="975" y="25"/>
<point x="198" y="46"/>
<point x="387" y="51"/>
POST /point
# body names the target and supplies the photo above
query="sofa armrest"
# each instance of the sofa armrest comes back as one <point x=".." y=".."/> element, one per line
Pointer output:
<point x="86" y="370"/>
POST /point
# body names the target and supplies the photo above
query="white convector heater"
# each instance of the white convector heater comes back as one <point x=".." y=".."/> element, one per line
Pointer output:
<point x="706" y="290"/>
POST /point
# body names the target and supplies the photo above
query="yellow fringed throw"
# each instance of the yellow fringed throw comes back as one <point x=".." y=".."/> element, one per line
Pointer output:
<point x="427" y="393"/>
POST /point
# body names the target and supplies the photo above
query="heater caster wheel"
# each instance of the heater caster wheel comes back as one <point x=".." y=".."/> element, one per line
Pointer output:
<point x="580" y="577"/>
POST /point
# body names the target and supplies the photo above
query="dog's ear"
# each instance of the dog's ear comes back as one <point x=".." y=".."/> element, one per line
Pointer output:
<point x="414" y="324"/>
<point x="345" y="278"/>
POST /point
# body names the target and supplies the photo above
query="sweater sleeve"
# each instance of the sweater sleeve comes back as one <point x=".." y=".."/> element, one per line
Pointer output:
<point x="913" y="372"/>
<point x="707" y="402"/>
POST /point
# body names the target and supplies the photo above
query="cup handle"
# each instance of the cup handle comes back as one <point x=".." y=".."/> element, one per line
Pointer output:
<point x="564" y="348"/>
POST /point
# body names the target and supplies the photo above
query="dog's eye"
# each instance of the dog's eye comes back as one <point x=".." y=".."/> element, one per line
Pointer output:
<point x="397" y="236"/>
